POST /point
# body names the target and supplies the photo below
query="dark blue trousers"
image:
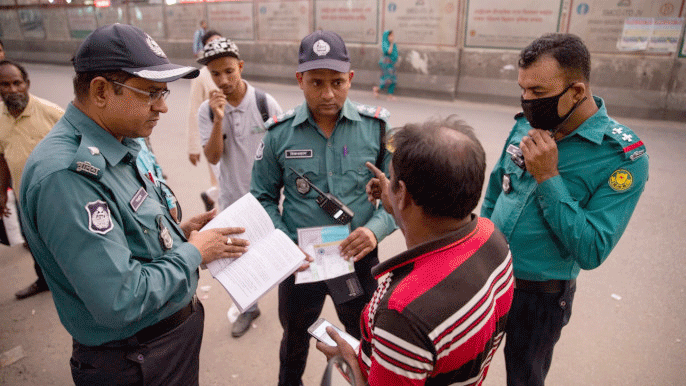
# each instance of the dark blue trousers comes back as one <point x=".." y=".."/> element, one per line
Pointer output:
<point x="534" y="326"/>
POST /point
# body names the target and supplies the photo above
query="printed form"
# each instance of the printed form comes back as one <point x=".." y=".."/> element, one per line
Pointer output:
<point x="322" y="243"/>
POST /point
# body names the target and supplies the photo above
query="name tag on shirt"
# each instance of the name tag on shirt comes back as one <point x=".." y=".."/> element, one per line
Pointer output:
<point x="138" y="199"/>
<point x="290" y="154"/>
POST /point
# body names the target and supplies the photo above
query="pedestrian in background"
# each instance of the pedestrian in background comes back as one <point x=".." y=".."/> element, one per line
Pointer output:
<point x="389" y="56"/>
<point x="24" y="121"/>
<point x="197" y="38"/>
<point x="327" y="139"/>
<point x="231" y="126"/>
<point x="563" y="192"/>
<point x="439" y="312"/>
<point x="122" y="271"/>
<point x="200" y="92"/>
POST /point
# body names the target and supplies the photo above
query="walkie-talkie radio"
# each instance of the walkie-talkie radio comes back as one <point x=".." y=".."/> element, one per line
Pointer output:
<point x="327" y="201"/>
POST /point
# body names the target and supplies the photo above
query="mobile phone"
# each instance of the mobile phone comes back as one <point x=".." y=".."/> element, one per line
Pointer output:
<point x="318" y="330"/>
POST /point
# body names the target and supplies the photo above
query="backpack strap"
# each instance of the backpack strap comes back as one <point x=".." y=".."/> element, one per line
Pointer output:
<point x="261" y="100"/>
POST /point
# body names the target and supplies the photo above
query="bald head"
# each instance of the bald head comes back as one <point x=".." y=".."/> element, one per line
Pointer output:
<point x="442" y="164"/>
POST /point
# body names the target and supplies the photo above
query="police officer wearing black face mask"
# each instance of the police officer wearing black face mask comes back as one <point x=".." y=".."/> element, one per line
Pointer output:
<point x="562" y="192"/>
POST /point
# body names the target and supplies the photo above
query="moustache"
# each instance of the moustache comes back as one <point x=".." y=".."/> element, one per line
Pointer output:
<point x="16" y="101"/>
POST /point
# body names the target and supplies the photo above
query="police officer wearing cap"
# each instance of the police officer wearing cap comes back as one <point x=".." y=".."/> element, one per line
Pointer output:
<point x="563" y="192"/>
<point x="123" y="273"/>
<point x="326" y="141"/>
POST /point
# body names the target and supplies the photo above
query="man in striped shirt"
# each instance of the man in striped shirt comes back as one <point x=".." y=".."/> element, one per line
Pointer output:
<point x="440" y="310"/>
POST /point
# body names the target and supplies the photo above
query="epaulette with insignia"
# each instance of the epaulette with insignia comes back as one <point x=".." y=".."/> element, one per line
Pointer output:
<point x="632" y="146"/>
<point x="377" y="112"/>
<point x="276" y="119"/>
<point x="88" y="161"/>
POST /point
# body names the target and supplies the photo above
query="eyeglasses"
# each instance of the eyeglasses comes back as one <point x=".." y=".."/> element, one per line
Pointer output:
<point x="153" y="95"/>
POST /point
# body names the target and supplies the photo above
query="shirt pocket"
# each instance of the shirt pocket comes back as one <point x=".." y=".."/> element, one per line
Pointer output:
<point x="512" y="170"/>
<point x="310" y="168"/>
<point x="354" y="173"/>
<point x="148" y="246"/>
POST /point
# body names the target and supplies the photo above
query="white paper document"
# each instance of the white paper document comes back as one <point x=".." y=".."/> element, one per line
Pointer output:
<point x="322" y="243"/>
<point x="270" y="258"/>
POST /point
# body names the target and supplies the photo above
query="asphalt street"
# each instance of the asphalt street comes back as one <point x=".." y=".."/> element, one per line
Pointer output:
<point x="628" y="324"/>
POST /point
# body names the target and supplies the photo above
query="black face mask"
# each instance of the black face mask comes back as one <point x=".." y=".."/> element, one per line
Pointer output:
<point x="542" y="112"/>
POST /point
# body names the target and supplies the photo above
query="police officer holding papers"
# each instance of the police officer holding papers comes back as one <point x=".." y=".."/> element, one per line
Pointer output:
<point x="123" y="273"/>
<point x="326" y="141"/>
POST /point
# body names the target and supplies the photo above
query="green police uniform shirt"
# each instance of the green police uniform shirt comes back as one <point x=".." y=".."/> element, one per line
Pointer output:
<point x="575" y="219"/>
<point x="335" y="165"/>
<point x="114" y="259"/>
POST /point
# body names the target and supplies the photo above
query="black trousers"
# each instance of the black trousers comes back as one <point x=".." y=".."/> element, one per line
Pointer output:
<point x="300" y="306"/>
<point x="170" y="359"/>
<point x="534" y="325"/>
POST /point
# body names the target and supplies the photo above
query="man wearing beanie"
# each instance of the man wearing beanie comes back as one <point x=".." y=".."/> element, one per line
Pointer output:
<point x="122" y="271"/>
<point x="231" y="126"/>
<point x="326" y="142"/>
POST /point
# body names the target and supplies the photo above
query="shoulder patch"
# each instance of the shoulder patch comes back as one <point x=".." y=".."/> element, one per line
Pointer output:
<point x="99" y="217"/>
<point x="632" y="146"/>
<point x="377" y="112"/>
<point x="621" y="180"/>
<point x="276" y="119"/>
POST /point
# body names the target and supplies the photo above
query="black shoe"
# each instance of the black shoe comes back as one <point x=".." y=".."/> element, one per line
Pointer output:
<point x="242" y="324"/>
<point x="209" y="204"/>
<point x="31" y="290"/>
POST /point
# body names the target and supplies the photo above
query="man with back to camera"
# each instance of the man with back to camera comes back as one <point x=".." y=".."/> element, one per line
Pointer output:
<point x="439" y="314"/>
<point x="231" y="127"/>
<point x="327" y="139"/>
<point x="200" y="92"/>
<point x="122" y="272"/>
<point x="24" y="121"/>
<point x="562" y="192"/>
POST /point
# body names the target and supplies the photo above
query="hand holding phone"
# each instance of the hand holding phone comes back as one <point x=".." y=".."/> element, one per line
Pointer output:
<point x="318" y="330"/>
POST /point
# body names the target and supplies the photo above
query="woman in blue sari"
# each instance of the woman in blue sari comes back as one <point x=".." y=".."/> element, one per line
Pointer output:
<point x="387" y="63"/>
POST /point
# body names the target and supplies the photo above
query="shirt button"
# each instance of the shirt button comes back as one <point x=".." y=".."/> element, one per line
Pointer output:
<point x="330" y="173"/>
<point x="140" y="357"/>
<point x="329" y="144"/>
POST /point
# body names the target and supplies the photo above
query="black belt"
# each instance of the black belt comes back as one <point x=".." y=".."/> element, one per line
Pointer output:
<point x="548" y="286"/>
<point x="165" y="325"/>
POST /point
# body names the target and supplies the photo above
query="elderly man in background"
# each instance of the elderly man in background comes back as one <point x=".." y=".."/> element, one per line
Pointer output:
<point x="25" y="120"/>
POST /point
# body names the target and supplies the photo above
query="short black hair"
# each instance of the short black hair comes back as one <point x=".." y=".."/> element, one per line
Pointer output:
<point x="208" y="35"/>
<point x="82" y="81"/>
<point x="442" y="164"/>
<point x="568" y="50"/>
<point x="24" y="74"/>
